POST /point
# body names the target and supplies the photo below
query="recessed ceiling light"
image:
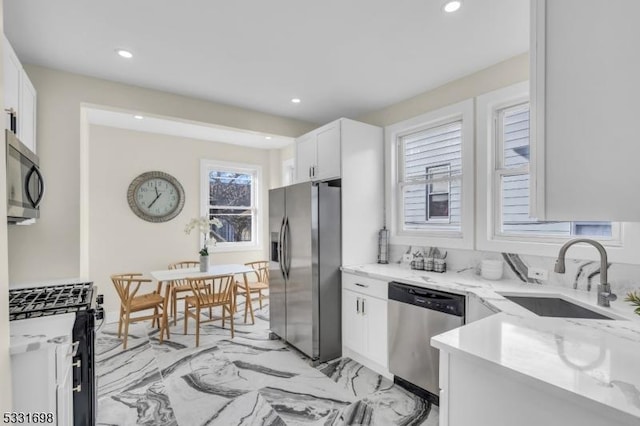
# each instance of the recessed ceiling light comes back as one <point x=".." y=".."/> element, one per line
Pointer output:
<point x="138" y="117"/>
<point x="296" y="100"/>
<point x="452" y="6"/>
<point x="124" y="53"/>
<point x="267" y="138"/>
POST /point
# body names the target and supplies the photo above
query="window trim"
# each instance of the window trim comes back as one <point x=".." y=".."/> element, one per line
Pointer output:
<point x="449" y="239"/>
<point x="256" y="196"/>
<point x="488" y="237"/>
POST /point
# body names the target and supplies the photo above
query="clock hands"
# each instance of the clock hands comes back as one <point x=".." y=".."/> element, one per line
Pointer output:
<point x="156" y="199"/>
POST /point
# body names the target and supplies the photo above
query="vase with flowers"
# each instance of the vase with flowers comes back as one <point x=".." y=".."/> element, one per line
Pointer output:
<point x="203" y="224"/>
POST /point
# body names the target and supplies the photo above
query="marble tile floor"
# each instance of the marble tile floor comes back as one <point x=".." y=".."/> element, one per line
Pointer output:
<point x="248" y="380"/>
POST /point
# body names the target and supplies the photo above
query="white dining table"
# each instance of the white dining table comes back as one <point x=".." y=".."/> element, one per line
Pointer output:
<point x="166" y="277"/>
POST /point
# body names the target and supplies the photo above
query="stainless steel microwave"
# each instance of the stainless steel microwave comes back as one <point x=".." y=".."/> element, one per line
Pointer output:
<point x="25" y="184"/>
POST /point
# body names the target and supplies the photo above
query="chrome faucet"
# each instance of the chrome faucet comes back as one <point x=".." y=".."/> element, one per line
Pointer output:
<point x="604" y="288"/>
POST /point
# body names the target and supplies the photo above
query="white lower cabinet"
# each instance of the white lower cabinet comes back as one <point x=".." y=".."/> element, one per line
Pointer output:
<point x="42" y="370"/>
<point x="364" y="321"/>
<point x="480" y="393"/>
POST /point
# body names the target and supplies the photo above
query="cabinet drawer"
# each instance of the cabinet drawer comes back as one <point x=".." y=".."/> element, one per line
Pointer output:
<point x="365" y="285"/>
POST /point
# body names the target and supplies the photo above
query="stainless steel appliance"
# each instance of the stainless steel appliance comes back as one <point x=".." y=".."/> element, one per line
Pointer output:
<point x="304" y="283"/>
<point x="81" y="299"/>
<point x="415" y="315"/>
<point x="25" y="184"/>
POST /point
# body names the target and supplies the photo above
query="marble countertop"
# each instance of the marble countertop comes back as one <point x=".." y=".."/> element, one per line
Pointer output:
<point x="489" y="291"/>
<point x="36" y="333"/>
<point x="592" y="359"/>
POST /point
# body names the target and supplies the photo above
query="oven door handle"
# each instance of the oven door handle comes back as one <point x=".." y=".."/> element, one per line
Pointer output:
<point x="73" y="350"/>
<point x="41" y="188"/>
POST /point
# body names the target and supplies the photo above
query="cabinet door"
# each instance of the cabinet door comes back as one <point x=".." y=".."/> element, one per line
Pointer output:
<point x="305" y="157"/>
<point x="328" y="152"/>
<point x="375" y="318"/>
<point x="27" y="112"/>
<point x="584" y="98"/>
<point x="352" y="324"/>
<point x="12" y="70"/>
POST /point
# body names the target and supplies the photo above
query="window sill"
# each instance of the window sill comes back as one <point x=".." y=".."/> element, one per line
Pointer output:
<point x="431" y="239"/>
<point x="236" y="248"/>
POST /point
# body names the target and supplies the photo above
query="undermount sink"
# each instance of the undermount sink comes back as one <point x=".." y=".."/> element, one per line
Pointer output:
<point x="549" y="306"/>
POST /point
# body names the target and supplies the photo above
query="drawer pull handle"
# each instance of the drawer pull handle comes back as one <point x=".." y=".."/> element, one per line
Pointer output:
<point x="77" y="364"/>
<point x="362" y="285"/>
<point x="78" y="389"/>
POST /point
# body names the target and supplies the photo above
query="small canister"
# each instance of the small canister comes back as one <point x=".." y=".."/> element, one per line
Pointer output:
<point x="439" y="265"/>
<point x="428" y="264"/>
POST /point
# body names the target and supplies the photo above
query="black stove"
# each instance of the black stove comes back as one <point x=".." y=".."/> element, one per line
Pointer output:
<point x="78" y="298"/>
<point x="50" y="300"/>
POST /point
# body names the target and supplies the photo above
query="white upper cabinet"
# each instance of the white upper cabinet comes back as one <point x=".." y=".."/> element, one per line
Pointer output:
<point x="12" y="71"/>
<point x="585" y="104"/>
<point x="318" y="154"/>
<point x="20" y="96"/>
<point x="328" y="152"/>
<point x="305" y="157"/>
<point x="27" y="113"/>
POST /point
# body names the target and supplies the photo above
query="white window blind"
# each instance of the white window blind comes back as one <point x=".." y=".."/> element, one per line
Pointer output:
<point x="430" y="177"/>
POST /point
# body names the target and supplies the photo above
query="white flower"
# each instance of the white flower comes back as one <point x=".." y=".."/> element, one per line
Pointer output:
<point x="203" y="224"/>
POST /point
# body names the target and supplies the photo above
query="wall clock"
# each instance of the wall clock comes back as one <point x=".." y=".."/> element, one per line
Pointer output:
<point x="156" y="196"/>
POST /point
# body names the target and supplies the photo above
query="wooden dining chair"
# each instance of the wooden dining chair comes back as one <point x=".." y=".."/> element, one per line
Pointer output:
<point x="209" y="292"/>
<point x="180" y="286"/>
<point x="256" y="281"/>
<point x="131" y="301"/>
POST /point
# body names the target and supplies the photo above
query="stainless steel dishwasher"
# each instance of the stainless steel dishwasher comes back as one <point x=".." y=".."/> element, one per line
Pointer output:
<point x="415" y="315"/>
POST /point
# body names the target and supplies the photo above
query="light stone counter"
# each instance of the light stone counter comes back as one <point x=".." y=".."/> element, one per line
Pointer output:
<point x="37" y="333"/>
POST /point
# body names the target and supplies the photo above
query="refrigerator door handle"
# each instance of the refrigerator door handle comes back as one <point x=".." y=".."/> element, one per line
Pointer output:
<point x="281" y="250"/>
<point x="287" y="246"/>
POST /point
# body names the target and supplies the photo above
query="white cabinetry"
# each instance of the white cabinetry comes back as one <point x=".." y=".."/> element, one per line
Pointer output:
<point x="364" y="321"/>
<point x="19" y="96"/>
<point x="353" y="152"/>
<point x="481" y="393"/>
<point x="12" y="71"/>
<point x="42" y="353"/>
<point x="318" y="154"/>
<point x="27" y="113"/>
<point x="585" y="94"/>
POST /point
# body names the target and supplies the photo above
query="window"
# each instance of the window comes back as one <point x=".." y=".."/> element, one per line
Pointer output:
<point x="511" y="177"/>
<point x="430" y="181"/>
<point x="230" y="193"/>
<point x="431" y="178"/>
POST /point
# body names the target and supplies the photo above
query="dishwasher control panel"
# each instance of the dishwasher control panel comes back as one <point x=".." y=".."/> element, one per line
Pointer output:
<point x="448" y="303"/>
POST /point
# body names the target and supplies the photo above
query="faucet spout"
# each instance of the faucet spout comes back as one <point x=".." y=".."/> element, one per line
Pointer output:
<point x="604" y="289"/>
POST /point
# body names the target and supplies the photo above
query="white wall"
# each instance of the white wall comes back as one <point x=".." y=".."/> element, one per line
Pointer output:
<point x="506" y="73"/>
<point x="5" y="361"/>
<point x="55" y="239"/>
<point x="119" y="241"/>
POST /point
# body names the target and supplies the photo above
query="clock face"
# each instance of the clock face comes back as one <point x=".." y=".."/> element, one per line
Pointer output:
<point x="156" y="196"/>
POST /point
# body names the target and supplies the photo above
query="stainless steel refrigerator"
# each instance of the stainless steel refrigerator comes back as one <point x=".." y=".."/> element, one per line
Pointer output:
<point x="305" y="255"/>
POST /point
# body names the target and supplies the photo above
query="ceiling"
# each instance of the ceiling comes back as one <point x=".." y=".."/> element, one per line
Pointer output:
<point x="342" y="58"/>
<point x="183" y="129"/>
